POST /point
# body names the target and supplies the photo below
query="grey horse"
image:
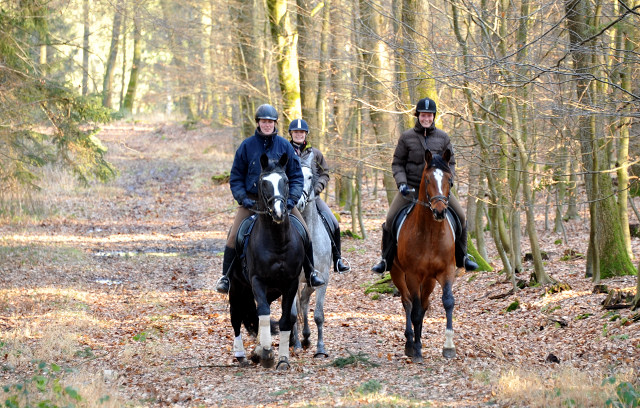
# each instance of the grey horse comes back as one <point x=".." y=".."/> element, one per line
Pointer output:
<point x="322" y="260"/>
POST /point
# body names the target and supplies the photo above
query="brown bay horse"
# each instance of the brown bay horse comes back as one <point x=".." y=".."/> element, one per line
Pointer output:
<point x="426" y="255"/>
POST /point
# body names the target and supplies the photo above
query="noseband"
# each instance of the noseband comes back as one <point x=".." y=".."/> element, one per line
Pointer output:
<point x="269" y="203"/>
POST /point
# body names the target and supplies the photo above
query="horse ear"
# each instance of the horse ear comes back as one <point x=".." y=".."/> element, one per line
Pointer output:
<point x="428" y="156"/>
<point x="446" y="156"/>
<point x="283" y="160"/>
<point x="264" y="161"/>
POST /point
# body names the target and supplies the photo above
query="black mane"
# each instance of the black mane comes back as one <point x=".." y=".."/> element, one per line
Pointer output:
<point x="438" y="162"/>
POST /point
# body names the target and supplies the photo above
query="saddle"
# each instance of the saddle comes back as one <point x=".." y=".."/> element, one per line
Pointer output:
<point x="246" y="226"/>
<point x="398" y="221"/>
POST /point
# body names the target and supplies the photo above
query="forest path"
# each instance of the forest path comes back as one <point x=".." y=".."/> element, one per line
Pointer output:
<point x="118" y="282"/>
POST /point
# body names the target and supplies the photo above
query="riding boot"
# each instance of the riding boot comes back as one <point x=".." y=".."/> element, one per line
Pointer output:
<point x="227" y="261"/>
<point x="338" y="266"/>
<point x="310" y="273"/>
<point x="462" y="258"/>
<point x="388" y="252"/>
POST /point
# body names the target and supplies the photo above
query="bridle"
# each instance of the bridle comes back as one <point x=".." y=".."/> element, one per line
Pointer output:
<point x="431" y="201"/>
<point x="269" y="203"/>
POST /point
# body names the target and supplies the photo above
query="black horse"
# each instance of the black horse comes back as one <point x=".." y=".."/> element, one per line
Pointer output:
<point x="272" y="263"/>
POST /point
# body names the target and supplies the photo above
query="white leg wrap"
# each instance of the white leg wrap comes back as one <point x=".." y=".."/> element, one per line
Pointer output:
<point x="448" y="339"/>
<point x="283" y="348"/>
<point x="238" y="347"/>
<point x="264" y="332"/>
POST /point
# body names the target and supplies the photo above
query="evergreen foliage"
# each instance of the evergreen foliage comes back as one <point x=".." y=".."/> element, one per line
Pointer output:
<point x="42" y="121"/>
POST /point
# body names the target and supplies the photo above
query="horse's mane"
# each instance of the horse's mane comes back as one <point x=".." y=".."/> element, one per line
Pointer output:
<point x="438" y="162"/>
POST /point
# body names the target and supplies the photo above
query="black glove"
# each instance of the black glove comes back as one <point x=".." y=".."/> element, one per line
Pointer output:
<point x="290" y="204"/>
<point x="317" y="189"/>
<point x="404" y="189"/>
<point x="248" y="203"/>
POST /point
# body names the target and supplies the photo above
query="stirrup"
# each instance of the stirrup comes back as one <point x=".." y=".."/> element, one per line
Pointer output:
<point x="337" y="265"/>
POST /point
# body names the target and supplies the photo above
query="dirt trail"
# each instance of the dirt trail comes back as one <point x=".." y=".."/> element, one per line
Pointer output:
<point x="127" y="271"/>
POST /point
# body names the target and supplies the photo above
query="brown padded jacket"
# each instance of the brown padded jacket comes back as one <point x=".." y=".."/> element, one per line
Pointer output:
<point x="408" y="158"/>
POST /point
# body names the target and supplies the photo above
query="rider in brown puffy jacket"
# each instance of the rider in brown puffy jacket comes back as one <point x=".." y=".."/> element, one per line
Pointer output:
<point x="407" y="165"/>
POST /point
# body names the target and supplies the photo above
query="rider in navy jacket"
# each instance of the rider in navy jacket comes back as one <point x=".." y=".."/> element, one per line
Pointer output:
<point x="243" y="181"/>
<point x="245" y="171"/>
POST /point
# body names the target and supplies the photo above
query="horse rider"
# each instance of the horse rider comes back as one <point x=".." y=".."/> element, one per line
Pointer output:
<point x="407" y="166"/>
<point x="243" y="181"/>
<point x="299" y="130"/>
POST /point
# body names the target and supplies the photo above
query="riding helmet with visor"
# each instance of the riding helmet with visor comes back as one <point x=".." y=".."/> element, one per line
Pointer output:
<point x="426" y="105"/>
<point x="298" y="124"/>
<point x="266" y="111"/>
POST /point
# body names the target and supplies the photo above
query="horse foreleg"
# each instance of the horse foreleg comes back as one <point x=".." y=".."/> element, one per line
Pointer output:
<point x="417" y="316"/>
<point x="263" y="351"/>
<point x="448" y="301"/>
<point x="283" y="351"/>
<point x="318" y="317"/>
<point x="408" y="328"/>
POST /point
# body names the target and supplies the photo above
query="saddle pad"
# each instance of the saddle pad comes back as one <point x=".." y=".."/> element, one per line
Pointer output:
<point x="244" y="231"/>
<point x="452" y="220"/>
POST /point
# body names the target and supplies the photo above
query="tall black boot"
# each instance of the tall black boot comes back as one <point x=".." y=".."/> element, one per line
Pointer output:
<point x="227" y="262"/>
<point x="462" y="258"/>
<point x="338" y="266"/>
<point x="388" y="252"/>
<point x="311" y="275"/>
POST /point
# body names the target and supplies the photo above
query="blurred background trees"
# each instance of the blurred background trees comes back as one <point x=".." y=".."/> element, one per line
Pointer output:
<point x="539" y="97"/>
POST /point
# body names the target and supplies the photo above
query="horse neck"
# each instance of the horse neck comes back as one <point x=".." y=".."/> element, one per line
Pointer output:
<point x="278" y="232"/>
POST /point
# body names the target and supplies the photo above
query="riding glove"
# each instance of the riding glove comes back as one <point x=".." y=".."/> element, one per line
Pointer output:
<point x="248" y="203"/>
<point x="317" y="189"/>
<point x="290" y="204"/>
<point x="404" y="189"/>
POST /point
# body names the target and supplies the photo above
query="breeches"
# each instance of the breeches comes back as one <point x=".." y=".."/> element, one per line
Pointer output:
<point x="244" y="213"/>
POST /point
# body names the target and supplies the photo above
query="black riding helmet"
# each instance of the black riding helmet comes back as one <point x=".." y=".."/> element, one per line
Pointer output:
<point x="266" y="111"/>
<point x="426" y="105"/>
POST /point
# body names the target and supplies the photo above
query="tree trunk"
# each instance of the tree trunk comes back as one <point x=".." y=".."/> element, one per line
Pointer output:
<point x="286" y="41"/>
<point x="377" y="66"/>
<point x="85" y="47"/>
<point x="130" y="96"/>
<point x="607" y="246"/>
<point x="107" y="83"/>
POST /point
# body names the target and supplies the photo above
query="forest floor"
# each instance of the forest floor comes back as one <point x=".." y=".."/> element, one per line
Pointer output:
<point x="107" y="299"/>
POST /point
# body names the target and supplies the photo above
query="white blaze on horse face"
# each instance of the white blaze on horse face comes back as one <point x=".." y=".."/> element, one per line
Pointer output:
<point x="279" y="205"/>
<point x="439" y="175"/>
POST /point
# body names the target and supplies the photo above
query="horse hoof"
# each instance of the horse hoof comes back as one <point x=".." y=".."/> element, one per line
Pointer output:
<point x="417" y="359"/>
<point x="449" y="352"/>
<point x="321" y="354"/>
<point x="267" y="359"/>
<point x="306" y="343"/>
<point x="408" y="350"/>
<point x="243" y="362"/>
<point x="283" y="364"/>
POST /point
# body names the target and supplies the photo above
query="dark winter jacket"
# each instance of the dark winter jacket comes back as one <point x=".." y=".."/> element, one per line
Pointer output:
<point x="408" y="158"/>
<point x="245" y="171"/>
<point x="321" y="168"/>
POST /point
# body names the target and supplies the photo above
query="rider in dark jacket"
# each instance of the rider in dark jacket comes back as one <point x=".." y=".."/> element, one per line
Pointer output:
<point x="243" y="181"/>
<point x="298" y="130"/>
<point x="407" y="166"/>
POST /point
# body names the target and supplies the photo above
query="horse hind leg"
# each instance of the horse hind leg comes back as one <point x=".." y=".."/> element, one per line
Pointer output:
<point x="448" y="301"/>
<point x="318" y="317"/>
